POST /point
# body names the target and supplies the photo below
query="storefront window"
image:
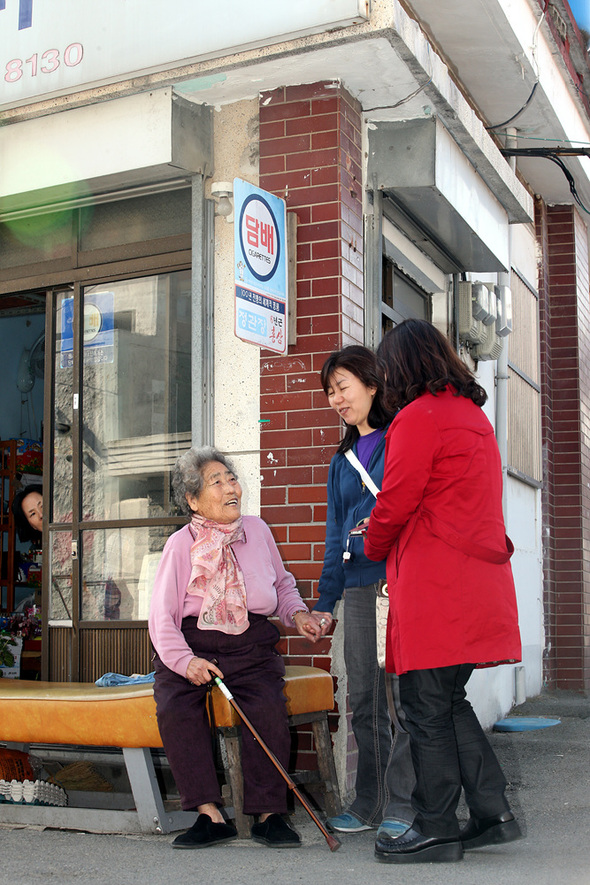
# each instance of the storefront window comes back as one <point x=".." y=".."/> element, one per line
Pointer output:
<point x="136" y="395"/>
<point x="120" y="429"/>
<point x="113" y="408"/>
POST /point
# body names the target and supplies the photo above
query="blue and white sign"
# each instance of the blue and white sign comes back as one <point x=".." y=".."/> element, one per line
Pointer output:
<point x="99" y="335"/>
<point x="260" y="267"/>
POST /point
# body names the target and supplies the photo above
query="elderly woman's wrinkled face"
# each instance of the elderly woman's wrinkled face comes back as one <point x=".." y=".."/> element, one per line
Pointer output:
<point x="220" y="497"/>
<point x="32" y="507"/>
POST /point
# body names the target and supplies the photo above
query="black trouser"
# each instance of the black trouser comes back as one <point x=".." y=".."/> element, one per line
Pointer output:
<point x="449" y="751"/>
<point x="253" y="671"/>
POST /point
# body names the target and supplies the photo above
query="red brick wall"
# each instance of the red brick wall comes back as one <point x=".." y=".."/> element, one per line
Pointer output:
<point x="548" y="448"/>
<point x="565" y="346"/>
<point x="583" y="293"/>
<point x="310" y="155"/>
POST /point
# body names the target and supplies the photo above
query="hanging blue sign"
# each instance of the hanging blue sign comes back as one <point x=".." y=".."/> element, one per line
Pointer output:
<point x="260" y="267"/>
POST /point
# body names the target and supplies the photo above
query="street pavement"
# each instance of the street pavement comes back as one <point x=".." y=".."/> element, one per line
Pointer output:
<point x="549" y="789"/>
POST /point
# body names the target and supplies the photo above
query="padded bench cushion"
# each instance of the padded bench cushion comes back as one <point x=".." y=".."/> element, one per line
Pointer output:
<point x="307" y="689"/>
<point x="125" y="715"/>
<point x="78" y="713"/>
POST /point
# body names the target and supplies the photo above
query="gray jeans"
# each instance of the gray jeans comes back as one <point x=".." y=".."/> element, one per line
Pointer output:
<point x="385" y="774"/>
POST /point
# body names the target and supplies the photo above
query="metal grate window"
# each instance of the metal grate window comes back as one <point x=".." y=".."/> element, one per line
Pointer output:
<point x="524" y="391"/>
<point x="401" y="298"/>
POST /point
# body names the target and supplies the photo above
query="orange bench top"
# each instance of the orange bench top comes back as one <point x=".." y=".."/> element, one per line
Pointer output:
<point x="124" y="715"/>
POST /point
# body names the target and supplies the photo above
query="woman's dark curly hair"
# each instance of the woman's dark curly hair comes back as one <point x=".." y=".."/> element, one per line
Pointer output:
<point x="362" y="363"/>
<point x="418" y="358"/>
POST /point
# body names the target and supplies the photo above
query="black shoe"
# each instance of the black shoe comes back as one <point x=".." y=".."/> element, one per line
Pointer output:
<point x="205" y="832"/>
<point x="413" y="847"/>
<point x="490" y="831"/>
<point x="276" y="833"/>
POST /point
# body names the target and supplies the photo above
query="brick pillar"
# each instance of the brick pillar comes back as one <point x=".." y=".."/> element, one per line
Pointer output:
<point x="565" y="345"/>
<point x="310" y="155"/>
<point x="548" y="448"/>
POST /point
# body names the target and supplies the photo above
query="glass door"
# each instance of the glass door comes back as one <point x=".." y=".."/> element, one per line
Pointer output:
<point x="121" y="416"/>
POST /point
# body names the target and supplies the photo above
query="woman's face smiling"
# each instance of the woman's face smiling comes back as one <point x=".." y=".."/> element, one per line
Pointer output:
<point x="351" y="399"/>
<point x="220" y="497"/>
<point x="32" y="507"/>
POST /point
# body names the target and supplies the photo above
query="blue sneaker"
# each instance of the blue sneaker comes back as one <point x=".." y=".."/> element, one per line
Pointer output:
<point x="392" y="828"/>
<point x="348" y="823"/>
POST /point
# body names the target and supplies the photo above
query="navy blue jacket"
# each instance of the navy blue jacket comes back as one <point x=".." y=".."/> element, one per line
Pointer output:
<point x="349" y="501"/>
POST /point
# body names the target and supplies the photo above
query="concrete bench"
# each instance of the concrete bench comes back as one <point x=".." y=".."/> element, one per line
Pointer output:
<point x="83" y="715"/>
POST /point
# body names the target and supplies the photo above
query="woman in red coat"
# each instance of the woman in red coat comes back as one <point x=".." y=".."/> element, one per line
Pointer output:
<point x="439" y="521"/>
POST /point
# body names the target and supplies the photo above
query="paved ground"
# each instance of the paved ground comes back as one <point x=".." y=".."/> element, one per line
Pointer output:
<point x="549" y="775"/>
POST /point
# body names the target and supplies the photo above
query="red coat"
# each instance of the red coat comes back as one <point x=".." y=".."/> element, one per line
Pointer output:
<point x="438" y="519"/>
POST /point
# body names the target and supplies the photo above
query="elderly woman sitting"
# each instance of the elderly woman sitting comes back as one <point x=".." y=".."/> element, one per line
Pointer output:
<point x="219" y="579"/>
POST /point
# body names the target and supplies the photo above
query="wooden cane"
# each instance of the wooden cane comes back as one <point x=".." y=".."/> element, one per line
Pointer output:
<point x="332" y="841"/>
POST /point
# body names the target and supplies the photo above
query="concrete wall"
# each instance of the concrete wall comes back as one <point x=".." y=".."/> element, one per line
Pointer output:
<point x="237" y="369"/>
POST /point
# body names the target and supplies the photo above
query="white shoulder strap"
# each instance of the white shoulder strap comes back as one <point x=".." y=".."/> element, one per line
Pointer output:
<point x="373" y="488"/>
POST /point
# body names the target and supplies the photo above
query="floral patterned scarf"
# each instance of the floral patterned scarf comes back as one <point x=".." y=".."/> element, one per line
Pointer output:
<point x="217" y="577"/>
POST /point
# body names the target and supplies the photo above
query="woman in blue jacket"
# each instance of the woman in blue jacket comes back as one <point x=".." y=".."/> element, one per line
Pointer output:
<point x="353" y="383"/>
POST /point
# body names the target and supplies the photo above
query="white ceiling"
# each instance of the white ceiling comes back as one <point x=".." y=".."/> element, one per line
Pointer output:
<point x="478" y="44"/>
<point x="370" y="69"/>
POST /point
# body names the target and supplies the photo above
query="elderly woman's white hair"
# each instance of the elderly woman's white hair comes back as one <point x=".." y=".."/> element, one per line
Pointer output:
<point x="187" y="477"/>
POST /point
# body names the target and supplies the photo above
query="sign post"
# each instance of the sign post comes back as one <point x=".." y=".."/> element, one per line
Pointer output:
<point x="260" y="267"/>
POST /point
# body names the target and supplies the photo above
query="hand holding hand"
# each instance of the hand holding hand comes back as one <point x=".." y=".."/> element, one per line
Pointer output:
<point x="307" y="626"/>
<point x="201" y="671"/>
<point x="323" y="620"/>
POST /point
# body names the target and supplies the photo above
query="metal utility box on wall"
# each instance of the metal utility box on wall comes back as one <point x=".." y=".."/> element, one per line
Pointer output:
<point x="424" y="173"/>
<point x="484" y="318"/>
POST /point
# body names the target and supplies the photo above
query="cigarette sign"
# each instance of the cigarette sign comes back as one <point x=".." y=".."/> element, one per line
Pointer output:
<point x="260" y="267"/>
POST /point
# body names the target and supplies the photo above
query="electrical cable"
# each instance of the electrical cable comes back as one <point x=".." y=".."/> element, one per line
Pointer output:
<point x="402" y="100"/>
<point x="536" y="83"/>
<point x="518" y="113"/>
<point x="412" y="94"/>
<point x="570" y="180"/>
<point x="554" y="154"/>
<point x="522" y="136"/>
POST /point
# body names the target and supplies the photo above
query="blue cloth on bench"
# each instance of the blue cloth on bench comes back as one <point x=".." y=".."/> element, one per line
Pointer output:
<point x="109" y="679"/>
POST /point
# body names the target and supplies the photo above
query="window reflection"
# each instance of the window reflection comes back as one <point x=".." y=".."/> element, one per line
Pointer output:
<point x="119" y="570"/>
<point x="60" y="607"/>
<point x="62" y="447"/>
<point x="136" y="394"/>
<point x="135" y="420"/>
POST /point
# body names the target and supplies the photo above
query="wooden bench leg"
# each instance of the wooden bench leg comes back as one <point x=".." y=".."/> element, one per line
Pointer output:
<point x="326" y="766"/>
<point x="231" y="737"/>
